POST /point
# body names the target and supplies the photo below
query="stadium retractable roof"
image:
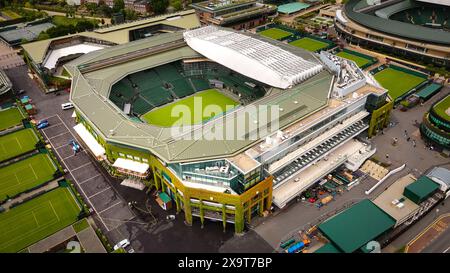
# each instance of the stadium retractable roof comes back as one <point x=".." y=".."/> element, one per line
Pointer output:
<point x="251" y="57"/>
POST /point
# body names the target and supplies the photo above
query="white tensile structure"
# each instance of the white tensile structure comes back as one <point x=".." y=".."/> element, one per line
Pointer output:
<point x="251" y="57"/>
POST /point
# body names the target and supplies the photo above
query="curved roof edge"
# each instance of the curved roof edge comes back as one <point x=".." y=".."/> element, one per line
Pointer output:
<point x="396" y="28"/>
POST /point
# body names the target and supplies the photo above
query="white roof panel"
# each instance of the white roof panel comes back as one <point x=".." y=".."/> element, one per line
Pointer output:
<point x="131" y="165"/>
<point x="89" y="140"/>
<point x="251" y="57"/>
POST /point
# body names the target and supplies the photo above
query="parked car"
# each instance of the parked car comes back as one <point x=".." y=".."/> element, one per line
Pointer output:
<point x="42" y="124"/>
<point x="67" y="105"/>
<point x="122" y="244"/>
<point x="75" y="145"/>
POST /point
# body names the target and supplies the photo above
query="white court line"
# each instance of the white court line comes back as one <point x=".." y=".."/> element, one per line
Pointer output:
<point x="86" y="180"/>
<point x="84" y="165"/>
<point x="97" y="193"/>
<point x="110" y="207"/>
<point x="54" y="211"/>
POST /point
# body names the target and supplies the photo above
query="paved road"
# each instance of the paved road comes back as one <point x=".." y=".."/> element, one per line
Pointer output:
<point x="440" y="245"/>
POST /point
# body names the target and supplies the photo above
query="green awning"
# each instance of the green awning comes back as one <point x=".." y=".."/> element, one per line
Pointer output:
<point x="356" y="226"/>
<point x="328" y="248"/>
<point x="429" y="91"/>
<point x="420" y="190"/>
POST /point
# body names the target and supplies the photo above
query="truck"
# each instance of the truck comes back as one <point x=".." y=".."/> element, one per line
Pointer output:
<point x="326" y="200"/>
<point x="287" y="243"/>
<point x="297" y="247"/>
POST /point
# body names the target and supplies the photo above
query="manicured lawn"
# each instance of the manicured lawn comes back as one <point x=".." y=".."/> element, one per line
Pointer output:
<point x="397" y="82"/>
<point x="25" y="174"/>
<point x="172" y="114"/>
<point x="36" y="219"/>
<point x="80" y="225"/>
<point x="443" y="108"/>
<point x="10" y="117"/>
<point x="309" y="44"/>
<point x="360" y="61"/>
<point x="17" y="143"/>
<point x="275" y="33"/>
<point x="64" y="21"/>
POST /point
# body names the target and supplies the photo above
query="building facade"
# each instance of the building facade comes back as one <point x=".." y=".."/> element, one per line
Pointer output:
<point x="435" y="127"/>
<point x="414" y="42"/>
<point x="234" y="14"/>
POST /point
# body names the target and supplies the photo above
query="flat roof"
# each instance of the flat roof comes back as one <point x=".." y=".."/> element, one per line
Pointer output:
<point x="328" y="248"/>
<point x="356" y="226"/>
<point x="396" y="28"/>
<point x="395" y="192"/>
<point x="422" y="187"/>
<point x="118" y="34"/>
<point x="90" y="90"/>
<point x="292" y="7"/>
<point x="429" y="90"/>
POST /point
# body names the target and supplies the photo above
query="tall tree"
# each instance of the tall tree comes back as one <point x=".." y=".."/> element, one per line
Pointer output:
<point x="159" y="6"/>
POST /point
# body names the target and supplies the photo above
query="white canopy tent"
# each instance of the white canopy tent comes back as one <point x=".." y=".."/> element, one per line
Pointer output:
<point x="89" y="140"/>
<point x="131" y="165"/>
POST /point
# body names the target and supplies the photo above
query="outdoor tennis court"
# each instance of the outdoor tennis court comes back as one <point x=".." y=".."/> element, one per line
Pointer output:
<point x="309" y="44"/>
<point x="275" y="33"/>
<point x="25" y="174"/>
<point x="360" y="61"/>
<point x="397" y="82"/>
<point x="10" y="117"/>
<point x="36" y="219"/>
<point x="17" y="143"/>
<point x="210" y="98"/>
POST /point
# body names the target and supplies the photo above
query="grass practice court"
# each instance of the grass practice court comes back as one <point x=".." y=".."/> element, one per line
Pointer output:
<point x="360" y="61"/>
<point x="166" y="116"/>
<point x="36" y="219"/>
<point x="10" y="117"/>
<point x="309" y="44"/>
<point x="275" y="33"/>
<point x="17" y="143"/>
<point x="25" y="174"/>
<point x="397" y="82"/>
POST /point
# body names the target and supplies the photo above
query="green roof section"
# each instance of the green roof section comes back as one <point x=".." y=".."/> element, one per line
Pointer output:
<point x="292" y="7"/>
<point x="355" y="227"/>
<point x="429" y="91"/>
<point x="420" y="190"/>
<point x="328" y="248"/>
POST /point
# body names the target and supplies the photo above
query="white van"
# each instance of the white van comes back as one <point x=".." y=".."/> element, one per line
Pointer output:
<point x="67" y="105"/>
<point x="122" y="244"/>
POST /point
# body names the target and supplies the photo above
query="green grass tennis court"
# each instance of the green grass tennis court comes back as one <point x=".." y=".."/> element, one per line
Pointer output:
<point x="442" y="108"/>
<point x="25" y="174"/>
<point x="17" y="143"/>
<point x="309" y="44"/>
<point x="275" y="33"/>
<point x="169" y="115"/>
<point x="360" y="61"/>
<point x="10" y="117"/>
<point x="36" y="219"/>
<point x="397" y="82"/>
